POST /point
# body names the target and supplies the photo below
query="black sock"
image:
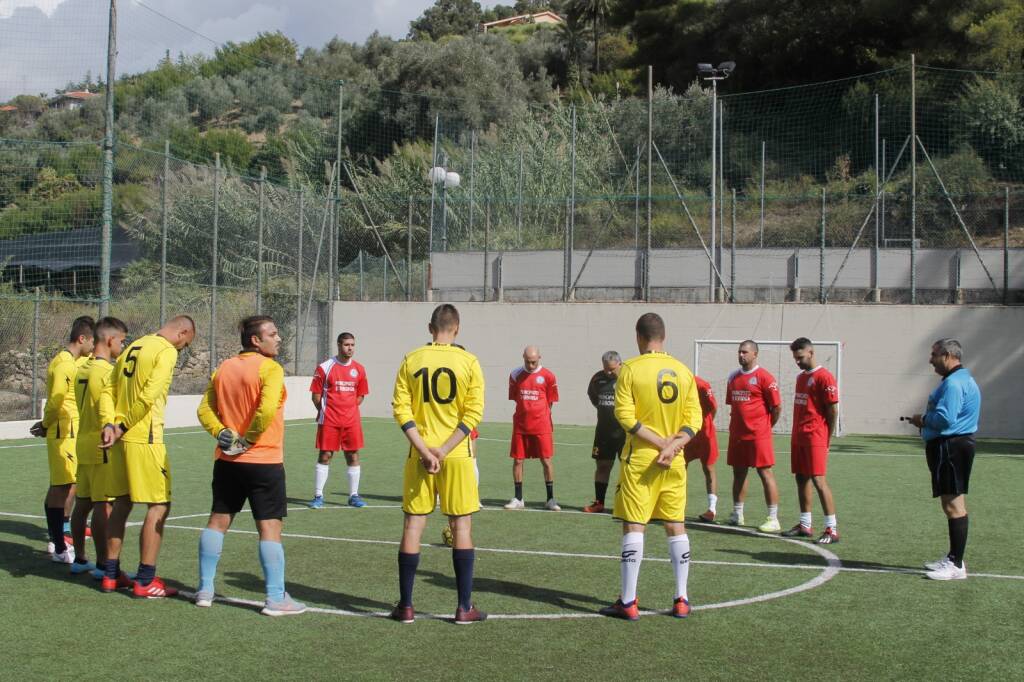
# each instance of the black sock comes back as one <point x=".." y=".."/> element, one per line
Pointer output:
<point x="55" y="527"/>
<point x="519" y="489"/>
<point x="112" y="568"/>
<point x="81" y="560"/>
<point x="463" y="559"/>
<point x="550" y="485"/>
<point x="145" y="575"/>
<point x="600" y="490"/>
<point x="407" y="564"/>
<point x="957" y="540"/>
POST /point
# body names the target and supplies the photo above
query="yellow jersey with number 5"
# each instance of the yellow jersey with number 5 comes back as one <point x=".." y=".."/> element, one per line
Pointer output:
<point x="142" y="379"/>
<point x="439" y="388"/>
<point x="657" y="391"/>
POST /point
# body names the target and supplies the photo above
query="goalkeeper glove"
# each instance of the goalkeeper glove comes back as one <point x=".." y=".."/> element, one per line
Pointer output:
<point x="225" y="439"/>
<point x="38" y="430"/>
<point x="238" y="447"/>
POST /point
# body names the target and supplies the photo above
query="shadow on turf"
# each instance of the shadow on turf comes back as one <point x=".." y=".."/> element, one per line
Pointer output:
<point x="568" y="601"/>
<point x="802" y="558"/>
<point x="305" y="593"/>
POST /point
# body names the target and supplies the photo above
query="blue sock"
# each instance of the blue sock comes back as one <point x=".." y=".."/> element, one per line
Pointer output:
<point x="67" y="525"/>
<point x="145" y="574"/>
<point x="112" y="568"/>
<point x="407" y="564"/>
<point x="463" y="559"/>
<point x="272" y="559"/>
<point x="211" y="543"/>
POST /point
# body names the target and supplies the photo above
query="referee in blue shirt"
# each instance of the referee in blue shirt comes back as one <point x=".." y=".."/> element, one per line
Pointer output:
<point x="948" y="427"/>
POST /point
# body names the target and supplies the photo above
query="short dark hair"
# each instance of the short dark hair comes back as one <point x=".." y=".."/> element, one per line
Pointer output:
<point x="444" y="318"/>
<point x="803" y="343"/>
<point x="345" y="335"/>
<point x="108" y="326"/>
<point x="651" y="327"/>
<point x="82" y="326"/>
<point x="751" y="343"/>
<point x="251" y="326"/>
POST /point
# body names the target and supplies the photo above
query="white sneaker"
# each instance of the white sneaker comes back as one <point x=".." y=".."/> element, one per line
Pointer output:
<point x="515" y="503"/>
<point x="204" y="599"/>
<point x="50" y="547"/>
<point x="736" y="519"/>
<point x="552" y="505"/>
<point x="770" y="525"/>
<point x="65" y="557"/>
<point x="948" y="571"/>
<point x="936" y="565"/>
<point x="286" y="607"/>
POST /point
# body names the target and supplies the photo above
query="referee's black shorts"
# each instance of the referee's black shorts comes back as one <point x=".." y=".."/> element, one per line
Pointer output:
<point x="608" y="445"/>
<point x="949" y="460"/>
<point x="261" y="484"/>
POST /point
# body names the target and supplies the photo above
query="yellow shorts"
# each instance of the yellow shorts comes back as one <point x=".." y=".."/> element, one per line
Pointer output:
<point x="63" y="460"/>
<point x="149" y="473"/>
<point x="84" y="486"/>
<point x="455" y="484"/>
<point x="110" y="477"/>
<point x="647" y="491"/>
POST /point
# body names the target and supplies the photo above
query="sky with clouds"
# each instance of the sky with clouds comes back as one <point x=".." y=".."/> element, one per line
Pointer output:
<point x="44" y="44"/>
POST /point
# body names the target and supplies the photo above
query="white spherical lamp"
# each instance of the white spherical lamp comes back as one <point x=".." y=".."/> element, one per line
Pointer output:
<point x="451" y="180"/>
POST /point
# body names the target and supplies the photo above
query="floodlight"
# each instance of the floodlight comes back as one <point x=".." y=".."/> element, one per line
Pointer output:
<point x="705" y="69"/>
<point x="726" y="68"/>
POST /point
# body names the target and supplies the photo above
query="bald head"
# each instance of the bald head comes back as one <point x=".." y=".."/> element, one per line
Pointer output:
<point x="179" y="330"/>
<point x="531" y="358"/>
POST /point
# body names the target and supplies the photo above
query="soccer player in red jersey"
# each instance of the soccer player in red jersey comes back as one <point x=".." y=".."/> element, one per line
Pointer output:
<point x="704" y="446"/>
<point x="534" y="390"/>
<point x="756" y="404"/>
<point x="815" y="414"/>
<point x="338" y="389"/>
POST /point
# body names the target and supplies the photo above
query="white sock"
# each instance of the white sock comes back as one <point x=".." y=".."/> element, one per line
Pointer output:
<point x="632" y="555"/>
<point x="806" y="519"/>
<point x="322" y="470"/>
<point x="737" y="508"/>
<point x="353" y="480"/>
<point x="773" y="512"/>
<point x="830" y="521"/>
<point x="679" y="552"/>
<point x="712" y="502"/>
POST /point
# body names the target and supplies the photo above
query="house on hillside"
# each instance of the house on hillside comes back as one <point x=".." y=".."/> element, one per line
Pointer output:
<point x="545" y="17"/>
<point x="74" y="99"/>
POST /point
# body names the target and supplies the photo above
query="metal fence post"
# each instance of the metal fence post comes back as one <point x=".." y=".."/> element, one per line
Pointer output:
<point x="565" y="252"/>
<point x="636" y="203"/>
<point x="732" y="252"/>
<point x="762" y="193"/>
<point x="472" y="184"/>
<point x="913" y="180"/>
<point x="821" y="253"/>
<point x="408" y="255"/>
<point x="384" y="295"/>
<point x="1006" y="246"/>
<point x="213" y="264"/>
<point x="163" y="233"/>
<point x="259" y="244"/>
<point x="298" y="281"/>
<point x="34" y="409"/>
<point x="519" y="186"/>
<point x="650" y="179"/>
<point x="487" y="246"/>
<point x="361" y="285"/>
<point x="336" y="205"/>
<point x="433" y="187"/>
<point x="876" y="293"/>
<point x="570" y="236"/>
<point x="107" y="229"/>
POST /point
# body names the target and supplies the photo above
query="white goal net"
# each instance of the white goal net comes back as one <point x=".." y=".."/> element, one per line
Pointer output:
<point x="715" y="360"/>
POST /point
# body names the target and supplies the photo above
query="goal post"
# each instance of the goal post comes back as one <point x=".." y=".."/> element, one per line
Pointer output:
<point x="715" y="360"/>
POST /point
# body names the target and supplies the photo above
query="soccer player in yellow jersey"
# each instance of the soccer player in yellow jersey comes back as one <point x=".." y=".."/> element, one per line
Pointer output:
<point x="243" y="408"/>
<point x="142" y="378"/>
<point x="657" y="405"/>
<point x="95" y="408"/>
<point x="438" y="401"/>
<point x="60" y="424"/>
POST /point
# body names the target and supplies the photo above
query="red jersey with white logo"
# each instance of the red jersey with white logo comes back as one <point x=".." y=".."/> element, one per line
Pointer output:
<point x="340" y="385"/>
<point x="534" y="393"/>
<point x="752" y="395"/>
<point x="816" y="390"/>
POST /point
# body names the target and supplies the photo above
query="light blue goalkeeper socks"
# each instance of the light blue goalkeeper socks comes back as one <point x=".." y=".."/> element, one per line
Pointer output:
<point x="272" y="559"/>
<point x="211" y="544"/>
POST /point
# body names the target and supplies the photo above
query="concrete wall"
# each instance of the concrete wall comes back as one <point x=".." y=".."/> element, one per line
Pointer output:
<point x="885" y="352"/>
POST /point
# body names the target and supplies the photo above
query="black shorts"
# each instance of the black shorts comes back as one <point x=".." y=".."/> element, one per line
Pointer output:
<point x="261" y="484"/>
<point x="950" y="460"/>
<point x="607" y="447"/>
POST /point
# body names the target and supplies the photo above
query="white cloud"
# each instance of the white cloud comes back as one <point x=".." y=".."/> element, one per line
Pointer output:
<point x="47" y="7"/>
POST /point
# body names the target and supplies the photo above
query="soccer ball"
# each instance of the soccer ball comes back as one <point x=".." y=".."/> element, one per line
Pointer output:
<point x="446" y="536"/>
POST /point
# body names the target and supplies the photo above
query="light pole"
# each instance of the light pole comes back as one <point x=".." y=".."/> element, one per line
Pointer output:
<point x="708" y="72"/>
<point x="440" y="175"/>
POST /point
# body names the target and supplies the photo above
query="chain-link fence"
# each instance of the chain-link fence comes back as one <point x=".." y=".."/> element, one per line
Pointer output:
<point x="257" y="179"/>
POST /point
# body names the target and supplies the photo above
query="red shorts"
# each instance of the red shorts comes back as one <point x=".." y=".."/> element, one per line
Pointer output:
<point x="702" y="448"/>
<point x="531" y="446"/>
<point x="807" y="459"/>
<point x="331" y="438"/>
<point x="751" y="453"/>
